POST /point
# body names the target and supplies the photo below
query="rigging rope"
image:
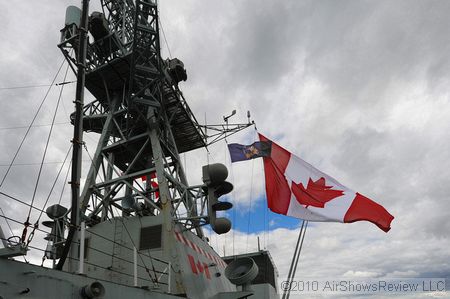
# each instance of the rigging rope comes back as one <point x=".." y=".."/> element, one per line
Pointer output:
<point x="251" y="197"/>
<point x="10" y="229"/>
<point x="18" y="222"/>
<point x="266" y="208"/>
<point x="112" y="241"/>
<point x="233" y="217"/>
<point x="54" y="183"/>
<point x="155" y="280"/>
<point x="27" y="222"/>
<point x="150" y="256"/>
<point x="35" y="126"/>
<point x="65" y="180"/>
<point x="250" y="205"/>
<point x="31" y="124"/>
<point x="97" y="265"/>
<point x="124" y="246"/>
<point x="33" y="164"/>
<point x="36" y="86"/>
<point x="19" y="201"/>
<point x="47" y="143"/>
<point x="92" y="161"/>
<point x="266" y="225"/>
<point x="164" y="35"/>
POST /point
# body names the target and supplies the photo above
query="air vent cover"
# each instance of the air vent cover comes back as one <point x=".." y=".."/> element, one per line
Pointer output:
<point x="150" y="237"/>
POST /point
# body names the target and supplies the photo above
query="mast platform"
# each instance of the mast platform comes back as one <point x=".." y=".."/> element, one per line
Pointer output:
<point x="115" y="75"/>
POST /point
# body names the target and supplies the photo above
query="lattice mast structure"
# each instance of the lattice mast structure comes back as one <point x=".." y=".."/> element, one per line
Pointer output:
<point x="142" y="119"/>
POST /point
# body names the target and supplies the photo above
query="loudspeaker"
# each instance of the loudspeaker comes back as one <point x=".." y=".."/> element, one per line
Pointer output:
<point x="241" y="272"/>
<point x="93" y="290"/>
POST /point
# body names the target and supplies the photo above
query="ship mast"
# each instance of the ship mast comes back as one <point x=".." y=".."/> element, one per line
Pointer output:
<point x="142" y="119"/>
<point x="77" y="140"/>
<point x="144" y="124"/>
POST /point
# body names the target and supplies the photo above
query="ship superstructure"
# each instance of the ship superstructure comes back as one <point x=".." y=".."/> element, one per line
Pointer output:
<point x="135" y="228"/>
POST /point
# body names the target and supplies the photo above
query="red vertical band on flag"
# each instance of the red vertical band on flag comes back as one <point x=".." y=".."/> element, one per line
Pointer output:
<point x="362" y="208"/>
<point x="277" y="189"/>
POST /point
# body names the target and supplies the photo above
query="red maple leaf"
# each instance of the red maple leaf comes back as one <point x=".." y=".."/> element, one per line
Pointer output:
<point x="316" y="194"/>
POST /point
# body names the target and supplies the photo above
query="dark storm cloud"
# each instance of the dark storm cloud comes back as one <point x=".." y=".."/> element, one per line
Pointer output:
<point x="355" y="49"/>
<point x="352" y="47"/>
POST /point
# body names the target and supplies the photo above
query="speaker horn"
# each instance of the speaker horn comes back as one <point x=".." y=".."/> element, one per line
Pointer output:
<point x="93" y="290"/>
<point x="241" y="272"/>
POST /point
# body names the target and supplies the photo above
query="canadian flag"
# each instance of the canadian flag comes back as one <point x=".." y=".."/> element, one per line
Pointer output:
<point x="153" y="183"/>
<point x="295" y="188"/>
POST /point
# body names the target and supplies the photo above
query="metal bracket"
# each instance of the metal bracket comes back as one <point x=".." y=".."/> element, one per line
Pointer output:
<point x="12" y="251"/>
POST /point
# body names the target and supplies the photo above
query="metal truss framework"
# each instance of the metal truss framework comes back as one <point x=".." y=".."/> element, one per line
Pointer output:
<point x="143" y="120"/>
<point x="135" y="120"/>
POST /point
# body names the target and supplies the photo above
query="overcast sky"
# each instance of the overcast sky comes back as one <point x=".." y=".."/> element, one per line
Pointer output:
<point x="357" y="88"/>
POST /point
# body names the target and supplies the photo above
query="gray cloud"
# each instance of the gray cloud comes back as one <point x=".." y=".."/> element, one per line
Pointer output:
<point x="357" y="88"/>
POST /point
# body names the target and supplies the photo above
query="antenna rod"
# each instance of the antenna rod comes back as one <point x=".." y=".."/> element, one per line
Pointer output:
<point x="77" y="133"/>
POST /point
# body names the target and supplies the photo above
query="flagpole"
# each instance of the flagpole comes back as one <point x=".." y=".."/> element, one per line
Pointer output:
<point x="298" y="257"/>
<point x="294" y="258"/>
